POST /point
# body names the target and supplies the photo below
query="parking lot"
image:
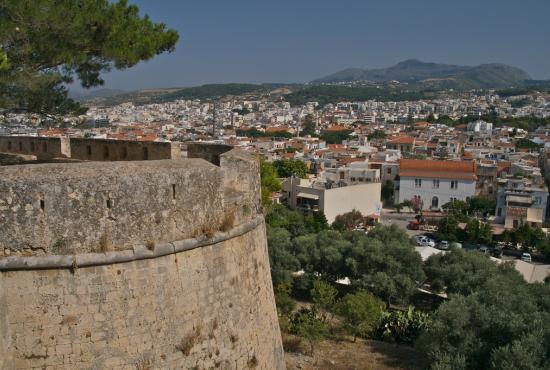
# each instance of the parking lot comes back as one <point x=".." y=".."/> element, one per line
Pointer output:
<point x="390" y="217"/>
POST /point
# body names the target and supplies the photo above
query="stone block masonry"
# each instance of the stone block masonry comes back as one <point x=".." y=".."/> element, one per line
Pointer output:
<point x="98" y="207"/>
<point x="43" y="148"/>
<point x="99" y="150"/>
<point x="136" y="265"/>
<point x="210" y="307"/>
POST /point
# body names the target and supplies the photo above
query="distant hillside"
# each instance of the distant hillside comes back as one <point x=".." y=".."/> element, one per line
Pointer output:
<point x="324" y="94"/>
<point x="212" y="91"/>
<point x="93" y="94"/>
<point x="434" y="75"/>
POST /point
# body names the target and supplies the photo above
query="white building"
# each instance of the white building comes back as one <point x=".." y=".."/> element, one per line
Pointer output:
<point x="435" y="183"/>
<point x="337" y="191"/>
<point x="480" y="127"/>
<point x="519" y="201"/>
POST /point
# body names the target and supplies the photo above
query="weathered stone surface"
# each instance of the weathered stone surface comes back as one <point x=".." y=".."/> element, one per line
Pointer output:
<point x="99" y="207"/>
<point x="169" y="282"/>
<point x="45" y="148"/>
<point x="40" y="147"/>
<point x="207" y="307"/>
<point x="122" y="150"/>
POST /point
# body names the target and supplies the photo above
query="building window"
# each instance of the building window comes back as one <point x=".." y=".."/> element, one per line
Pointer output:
<point x="435" y="202"/>
<point x="341" y="175"/>
<point x="417" y="183"/>
<point x="454" y="184"/>
<point x="389" y="171"/>
<point x="352" y="179"/>
<point x="436" y="183"/>
<point x="499" y="212"/>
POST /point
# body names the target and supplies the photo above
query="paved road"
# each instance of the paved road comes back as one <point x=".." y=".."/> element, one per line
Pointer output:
<point x="389" y="216"/>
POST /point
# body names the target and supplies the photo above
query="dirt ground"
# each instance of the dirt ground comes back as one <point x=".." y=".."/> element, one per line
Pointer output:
<point x="362" y="355"/>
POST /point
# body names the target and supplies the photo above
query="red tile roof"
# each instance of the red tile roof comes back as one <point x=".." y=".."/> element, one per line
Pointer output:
<point x="459" y="170"/>
<point x="277" y="129"/>
<point x="403" y="140"/>
<point x="336" y="128"/>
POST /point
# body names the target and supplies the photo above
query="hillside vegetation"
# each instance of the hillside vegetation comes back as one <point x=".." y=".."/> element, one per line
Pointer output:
<point x="435" y="75"/>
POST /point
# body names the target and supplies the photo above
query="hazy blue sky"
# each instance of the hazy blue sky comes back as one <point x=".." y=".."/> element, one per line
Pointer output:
<point x="300" y="40"/>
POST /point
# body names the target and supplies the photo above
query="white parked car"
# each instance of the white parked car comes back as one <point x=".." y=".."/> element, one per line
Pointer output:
<point x="526" y="257"/>
<point x="424" y="241"/>
<point x="443" y="245"/>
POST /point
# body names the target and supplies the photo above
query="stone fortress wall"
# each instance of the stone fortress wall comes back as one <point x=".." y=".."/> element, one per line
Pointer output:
<point x="153" y="264"/>
<point x="43" y="148"/>
<point x="46" y="148"/>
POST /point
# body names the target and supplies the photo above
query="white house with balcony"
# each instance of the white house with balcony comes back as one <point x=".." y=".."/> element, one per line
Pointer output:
<point x="337" y="191"/>
<point x="434" y="183"/>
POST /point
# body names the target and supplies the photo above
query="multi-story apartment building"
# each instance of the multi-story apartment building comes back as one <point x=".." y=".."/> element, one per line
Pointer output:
<point x="336" y="191"/>
<point x="519" y="201"/>
<point x="435" y="183"/>
<point x="480" y="127"/>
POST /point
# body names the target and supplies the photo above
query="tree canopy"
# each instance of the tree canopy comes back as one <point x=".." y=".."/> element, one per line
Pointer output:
<point x="383" y="262"/>
<point x="47" y="44"/>
<point x="269" y="181"/>
<point x="502" y="323"/>
<point x="291" y="167"/>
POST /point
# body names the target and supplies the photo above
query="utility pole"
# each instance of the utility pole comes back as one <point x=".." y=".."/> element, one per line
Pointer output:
<point x="214" y="121"/>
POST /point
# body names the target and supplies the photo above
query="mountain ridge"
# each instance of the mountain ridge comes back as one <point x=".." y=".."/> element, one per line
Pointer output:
<point x="415" y="71"/>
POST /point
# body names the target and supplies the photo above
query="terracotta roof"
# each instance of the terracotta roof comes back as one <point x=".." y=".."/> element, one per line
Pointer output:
<point x="421" y="124"/>
<point x="348" y="160"/>
<point x="276" y="129"/>
<point x="403" y="140"/>
<point x="335" y="128"/>
<point x="460" y="170"/>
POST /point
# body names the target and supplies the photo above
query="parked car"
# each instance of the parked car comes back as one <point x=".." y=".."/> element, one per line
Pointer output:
<point x="444" y="245"/>
<point x="424" y="241"/>
<point x="497" y="253"/>
<point x="526" y="257"/>
<point x="484" y="249"/>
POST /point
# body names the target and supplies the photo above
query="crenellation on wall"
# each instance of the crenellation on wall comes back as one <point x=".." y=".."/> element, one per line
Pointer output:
<point x="207" y="151"/>
<point x="122" y="150"/>
<point x="99" y="150"/>
<point x="43" y="148"/>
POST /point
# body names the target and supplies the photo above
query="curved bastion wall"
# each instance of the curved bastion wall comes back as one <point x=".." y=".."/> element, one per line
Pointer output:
<point x="179" y="282"/>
